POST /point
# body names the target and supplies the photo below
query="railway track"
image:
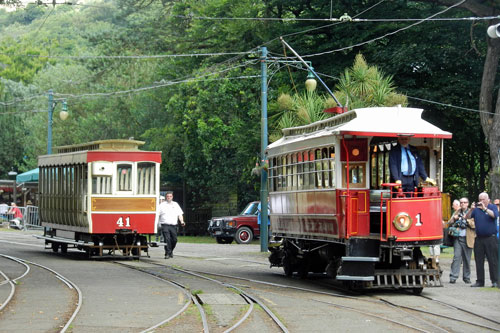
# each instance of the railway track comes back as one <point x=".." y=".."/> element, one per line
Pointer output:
<point x="442" y="320"/>
<point x="251" y="300"/>
<point x="70" y="307"/>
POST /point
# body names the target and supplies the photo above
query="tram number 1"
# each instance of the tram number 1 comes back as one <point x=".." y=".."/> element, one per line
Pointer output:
<point x="419" y="221"/>
<point x="120" y="222"/>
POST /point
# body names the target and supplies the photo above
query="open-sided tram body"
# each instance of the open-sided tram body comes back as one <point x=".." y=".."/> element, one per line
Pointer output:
<point x="333" y="206"/>
<point x="100" y="197"/>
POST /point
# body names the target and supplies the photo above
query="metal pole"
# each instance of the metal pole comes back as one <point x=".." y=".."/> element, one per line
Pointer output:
<point x="263" y="146"/>
<point x="14" y="190"/>
<point x="49" y="127"/>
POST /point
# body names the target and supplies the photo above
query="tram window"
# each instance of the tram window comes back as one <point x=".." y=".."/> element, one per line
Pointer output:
<point x="294" y="171"/>
<point x="306" y="169"/>
<point x="146" y="176"/>
<point x="319" y="173"/>
<point x="124" y="177"/>
<point x="274" y="174"/>
<point x="101" y="184"/>
<point x="311" y="169"/>
<point x="326" y="167"/>
<point x="300" y="174"/>
<point x="332" y="166"/>
<point x="289" y="175"/>
<point x="357" y="174"/>
<point x="283" y="173"/>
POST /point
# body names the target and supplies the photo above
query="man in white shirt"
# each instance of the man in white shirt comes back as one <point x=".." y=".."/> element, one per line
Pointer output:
<point x="170" y="213"/>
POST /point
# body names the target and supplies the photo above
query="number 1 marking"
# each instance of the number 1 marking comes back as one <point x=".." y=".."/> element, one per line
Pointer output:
<point x="419" y="222"/>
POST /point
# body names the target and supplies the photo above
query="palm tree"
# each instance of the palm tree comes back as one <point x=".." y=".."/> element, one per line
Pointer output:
<point x="359" y="86"/>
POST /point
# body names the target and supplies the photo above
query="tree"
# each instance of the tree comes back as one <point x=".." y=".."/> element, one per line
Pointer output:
<point x="490" y="115"/>
<point x="358" y="87"/>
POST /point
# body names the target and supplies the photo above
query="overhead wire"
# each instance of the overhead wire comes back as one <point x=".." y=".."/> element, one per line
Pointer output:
<point x="385" y="35"/>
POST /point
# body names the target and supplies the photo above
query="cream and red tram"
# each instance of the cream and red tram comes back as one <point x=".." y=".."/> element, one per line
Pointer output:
<point x="100" y="197"/>
<point x="331" y="206"/>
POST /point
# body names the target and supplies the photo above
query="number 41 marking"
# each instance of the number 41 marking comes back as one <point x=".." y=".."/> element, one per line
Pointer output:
<point x="419" y="221"/>
<point x="120" y="221"/>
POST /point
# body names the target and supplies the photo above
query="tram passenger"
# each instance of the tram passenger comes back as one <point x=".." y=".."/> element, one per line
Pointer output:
<point x="485" y="214"/>
<point x="170" y="214"/>
<point x="406" y="165"/>
<point x="16" y="214"/>
<point x="463" y="243"/>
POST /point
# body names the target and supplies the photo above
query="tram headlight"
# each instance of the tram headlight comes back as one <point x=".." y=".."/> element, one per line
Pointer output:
<point x="402" y="221"/>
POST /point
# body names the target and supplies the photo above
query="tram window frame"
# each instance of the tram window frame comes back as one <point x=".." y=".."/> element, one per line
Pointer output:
<point x="146" y="183"/>
<point x="318" y="168"/>
<point x="130" y="180"/>
<point x="352" y="166"/>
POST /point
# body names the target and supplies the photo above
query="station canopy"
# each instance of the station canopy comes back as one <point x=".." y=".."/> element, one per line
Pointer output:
<point x="28" y="176"/>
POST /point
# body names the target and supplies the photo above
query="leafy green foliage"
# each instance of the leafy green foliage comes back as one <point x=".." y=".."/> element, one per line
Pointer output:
<point x="203" y="112"/>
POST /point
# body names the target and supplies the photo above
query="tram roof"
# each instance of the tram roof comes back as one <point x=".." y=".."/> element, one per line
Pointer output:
<point x="376" y="121"/>
<point x="105" y="149"/>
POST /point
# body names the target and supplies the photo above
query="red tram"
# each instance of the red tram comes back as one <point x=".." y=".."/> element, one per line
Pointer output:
<point x="333" y="209"/>
<point x="100" y="197"/>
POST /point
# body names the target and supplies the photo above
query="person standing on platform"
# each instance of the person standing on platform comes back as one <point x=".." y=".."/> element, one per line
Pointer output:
<point x="406" y="165"/>
<point x="485" y="215"/>
<point x="463" y="243"/>
<point x="170" y="214"/>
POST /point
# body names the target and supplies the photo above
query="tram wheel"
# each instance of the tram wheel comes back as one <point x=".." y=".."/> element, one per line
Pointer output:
<point x="287" y="266"/>
<point x="55" y="247"/>
<point x="64" y="248"/>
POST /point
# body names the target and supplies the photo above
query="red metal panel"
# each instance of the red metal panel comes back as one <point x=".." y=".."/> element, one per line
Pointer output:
<point x="426" y="216"/>
<point x="139" y="156"/>
<point x="357" y="148"/>
<point x="325" y="226"/>
<point x="109" y="223"/>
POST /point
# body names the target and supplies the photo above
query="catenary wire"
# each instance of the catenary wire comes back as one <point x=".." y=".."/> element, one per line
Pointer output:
<point x="385" y="35"/>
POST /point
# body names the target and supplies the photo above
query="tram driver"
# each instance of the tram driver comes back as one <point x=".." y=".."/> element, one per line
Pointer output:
<point x="406" y="165"/>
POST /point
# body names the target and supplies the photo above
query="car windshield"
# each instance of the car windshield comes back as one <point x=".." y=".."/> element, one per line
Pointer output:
<point x="250" y="209"/>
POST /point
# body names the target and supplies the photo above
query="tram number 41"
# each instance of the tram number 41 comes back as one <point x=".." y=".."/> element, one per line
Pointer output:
<point x="121" y="224"/>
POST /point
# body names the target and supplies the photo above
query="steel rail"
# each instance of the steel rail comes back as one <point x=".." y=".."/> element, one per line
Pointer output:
<point x="12" y="291"/>
<point x="190" y="299"/>
<point x="242" y="319"/>
<point x="376" y="300"/>
<point x="68" y="283"/>
<point x="253" y="298"/>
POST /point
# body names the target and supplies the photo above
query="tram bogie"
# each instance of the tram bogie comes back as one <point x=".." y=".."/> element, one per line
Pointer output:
<point x="334" y="210"/>
<point x="100" y="197"/>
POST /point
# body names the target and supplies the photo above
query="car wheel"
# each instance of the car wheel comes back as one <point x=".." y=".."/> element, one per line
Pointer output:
<point x="244" y="235"/>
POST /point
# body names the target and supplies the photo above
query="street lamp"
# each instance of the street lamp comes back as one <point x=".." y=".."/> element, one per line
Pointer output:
<point x="63" y="115"/>
<point x="14" y="190"/>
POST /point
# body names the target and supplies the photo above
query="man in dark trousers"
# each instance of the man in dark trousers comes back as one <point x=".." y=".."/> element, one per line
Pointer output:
<point x="485" y="215"/>
<point x="406" y="165"/>
<point x="170" y="213"/>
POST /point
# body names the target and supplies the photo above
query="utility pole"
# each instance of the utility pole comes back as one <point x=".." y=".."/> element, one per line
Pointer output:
<point x="263" y="161"/>
<point x="49" y="128"/>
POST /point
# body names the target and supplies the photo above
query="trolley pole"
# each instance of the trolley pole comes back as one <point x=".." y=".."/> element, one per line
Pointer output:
<point x="263" y="146"/>
<point x="49" y="127"/>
